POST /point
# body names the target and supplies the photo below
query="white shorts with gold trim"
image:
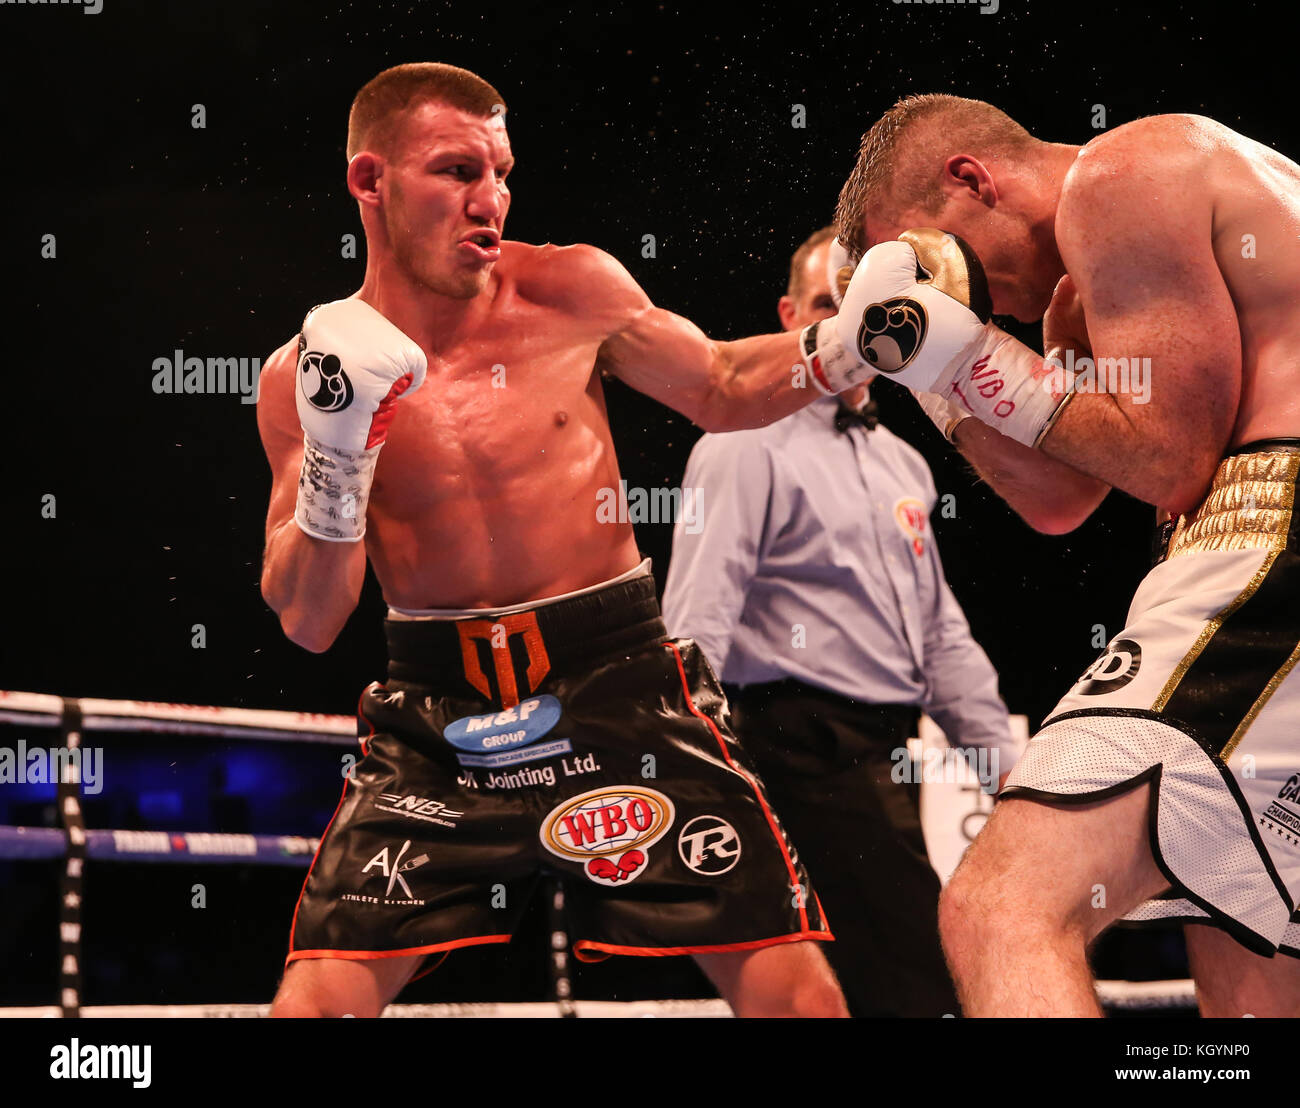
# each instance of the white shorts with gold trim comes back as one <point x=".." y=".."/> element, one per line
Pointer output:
<point x="1200" y="696"/>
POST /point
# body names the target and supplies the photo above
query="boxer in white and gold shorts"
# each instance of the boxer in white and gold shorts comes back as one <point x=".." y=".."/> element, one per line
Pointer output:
<point x="1163" y="261"/>
<point x="1199" y="696"/>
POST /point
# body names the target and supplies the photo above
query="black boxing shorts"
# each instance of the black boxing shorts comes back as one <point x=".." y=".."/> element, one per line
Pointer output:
<point x="574" y="740"/>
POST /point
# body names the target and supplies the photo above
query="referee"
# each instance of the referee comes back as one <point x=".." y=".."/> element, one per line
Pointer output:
<point x="810" y="579"/>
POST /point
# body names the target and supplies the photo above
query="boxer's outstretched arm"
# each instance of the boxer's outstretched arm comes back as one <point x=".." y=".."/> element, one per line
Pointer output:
<point x="311" y="584"/>
<point x="1137" y="241"/>
<point x="719" y="386"/>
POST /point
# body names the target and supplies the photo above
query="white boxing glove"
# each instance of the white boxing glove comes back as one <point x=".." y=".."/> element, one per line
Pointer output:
<point x="917" y="311"/>
<point x="901" y="321"/>
<point x="353" y="365"/>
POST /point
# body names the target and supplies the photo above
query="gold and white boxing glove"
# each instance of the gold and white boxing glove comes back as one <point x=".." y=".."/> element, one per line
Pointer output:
<point x="917" y="311"/>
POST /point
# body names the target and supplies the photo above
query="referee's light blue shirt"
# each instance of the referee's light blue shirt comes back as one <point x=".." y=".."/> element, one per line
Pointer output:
<point x="806" y="552"/>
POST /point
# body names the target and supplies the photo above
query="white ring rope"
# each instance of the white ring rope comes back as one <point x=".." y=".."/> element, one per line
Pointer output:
<point x="1125" y="995"/>
<point x="44" y="710"/>
<point x="597" y="1009"/>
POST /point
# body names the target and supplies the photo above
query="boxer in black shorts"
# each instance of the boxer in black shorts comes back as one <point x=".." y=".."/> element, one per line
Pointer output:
<point x="583" y="744"/>
<point x="447" y="424"/>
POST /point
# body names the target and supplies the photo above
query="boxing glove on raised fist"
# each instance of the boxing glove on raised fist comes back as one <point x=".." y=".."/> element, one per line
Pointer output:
<point x="353" y="366"/>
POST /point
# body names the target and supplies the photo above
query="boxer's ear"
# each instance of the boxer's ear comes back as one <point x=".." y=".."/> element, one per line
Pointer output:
<point x="952" y="267"/>
<point x="785" y="310"/>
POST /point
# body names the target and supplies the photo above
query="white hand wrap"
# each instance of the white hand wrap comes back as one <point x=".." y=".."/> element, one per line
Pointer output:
<point x="832" y="367"/>
<point x="333" y="490"/>
<point x="943" y="413"/>
<point x="1006" y="385"/>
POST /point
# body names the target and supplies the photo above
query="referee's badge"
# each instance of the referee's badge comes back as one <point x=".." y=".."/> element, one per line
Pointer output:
<point x="912" y="520"/>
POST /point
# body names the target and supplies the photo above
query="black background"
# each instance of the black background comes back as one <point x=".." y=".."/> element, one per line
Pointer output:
<point x="626" y="121"/>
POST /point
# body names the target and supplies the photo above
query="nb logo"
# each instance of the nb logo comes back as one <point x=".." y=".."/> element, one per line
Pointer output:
<point x="323" y="381"/>
<point x="891" y="333"/>
<point x="1113" y="670"/>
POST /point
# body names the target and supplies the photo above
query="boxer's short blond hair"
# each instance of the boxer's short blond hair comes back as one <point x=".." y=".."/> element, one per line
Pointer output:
<point x="900" y="161"/>
<point x="378" y="109"/>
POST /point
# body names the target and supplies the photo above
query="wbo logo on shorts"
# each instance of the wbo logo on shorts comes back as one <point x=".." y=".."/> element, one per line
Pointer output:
<point x="609" y="831"/>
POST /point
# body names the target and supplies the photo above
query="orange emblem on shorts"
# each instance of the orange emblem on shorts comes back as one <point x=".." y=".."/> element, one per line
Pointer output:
<point x="498" y="632"/>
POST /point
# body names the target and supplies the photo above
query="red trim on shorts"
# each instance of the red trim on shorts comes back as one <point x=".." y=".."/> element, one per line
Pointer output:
<point x="321" y="842"/>
<point x="758" y="793"/>
<point x="370" y="955"/>
<point x="583" y="949"/>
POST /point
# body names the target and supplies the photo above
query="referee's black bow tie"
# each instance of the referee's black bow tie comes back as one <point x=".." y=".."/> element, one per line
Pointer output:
<point x="846" y="417"/>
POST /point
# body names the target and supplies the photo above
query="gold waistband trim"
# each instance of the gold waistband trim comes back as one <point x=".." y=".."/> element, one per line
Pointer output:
<point x="1249" y="506"/>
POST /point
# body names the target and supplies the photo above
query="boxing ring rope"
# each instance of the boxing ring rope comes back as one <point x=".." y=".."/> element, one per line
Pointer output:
<point x="586" y="1009"/>
<point x="75" y="843"/>
<point x="44" y="710"/>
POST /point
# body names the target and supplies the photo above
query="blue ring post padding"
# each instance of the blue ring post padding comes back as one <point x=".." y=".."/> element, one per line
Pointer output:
<point x="43" y="843"/>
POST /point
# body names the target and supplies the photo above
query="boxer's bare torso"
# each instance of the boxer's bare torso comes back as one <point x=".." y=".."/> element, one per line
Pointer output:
<point x="1180" y="240"/>
<point x="487" y="490"/>
<point x="1237" y="196"/>
<point x="494" y="484"/>
<point x="1257" y="200"/>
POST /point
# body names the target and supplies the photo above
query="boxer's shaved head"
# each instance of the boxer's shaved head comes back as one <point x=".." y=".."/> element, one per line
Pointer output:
<point x="799" y="262"/>
<point x="380" y="107"/>
<point x="901" y="160"/>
